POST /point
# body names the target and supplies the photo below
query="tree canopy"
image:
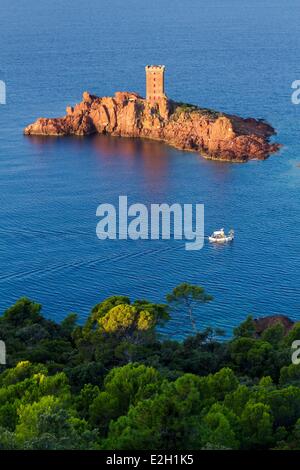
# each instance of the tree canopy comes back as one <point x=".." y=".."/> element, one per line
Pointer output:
<point x="116" y="383"/>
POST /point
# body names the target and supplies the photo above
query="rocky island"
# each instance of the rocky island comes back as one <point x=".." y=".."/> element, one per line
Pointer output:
<point x="213" y="134"/>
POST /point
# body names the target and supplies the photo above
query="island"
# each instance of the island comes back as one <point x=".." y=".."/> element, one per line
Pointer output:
<point x="213" y="134"/>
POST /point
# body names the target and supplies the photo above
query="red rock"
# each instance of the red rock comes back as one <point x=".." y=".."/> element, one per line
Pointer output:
<point x="262" y="324"/>
<point x="215" y="135"/>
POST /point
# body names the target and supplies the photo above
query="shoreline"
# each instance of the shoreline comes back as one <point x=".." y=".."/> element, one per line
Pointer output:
<point x="215" y="136"/>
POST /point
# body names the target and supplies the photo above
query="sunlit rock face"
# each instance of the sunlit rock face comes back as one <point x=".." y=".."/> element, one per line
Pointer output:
<point x="215" y="135"/>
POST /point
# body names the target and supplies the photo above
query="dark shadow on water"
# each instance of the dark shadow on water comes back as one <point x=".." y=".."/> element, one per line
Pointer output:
<point x="151" y="158"/>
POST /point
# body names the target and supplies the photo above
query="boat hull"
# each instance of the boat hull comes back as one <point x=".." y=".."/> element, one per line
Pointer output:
<point x="220" y="240"/>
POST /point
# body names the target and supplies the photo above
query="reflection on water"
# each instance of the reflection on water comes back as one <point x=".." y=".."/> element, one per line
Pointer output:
<point x="150" y="154"/>
<point x="151" y="157"/>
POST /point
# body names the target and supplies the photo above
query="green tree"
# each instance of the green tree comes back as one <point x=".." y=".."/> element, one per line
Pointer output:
<point x="220" y="428"/>
<point x="126" y="319"/>
<point x="246" y="329"/>
<point x="8" y="440"/>
<point x="274" y="334"/>
<point x="284" y="404"/>
<point x="29" y="415"/>
<point x="253" y="357"/>
<point x="23" y="312"/>
<point x="290" y="374"/>
<point x="66" y="386"/>
<point x="256" y="426"/>
<point x="237" y="399"/>
<point x="123" y="386"/>
<point x="188" y="297"/>
<point x="293" y="335"/>
<point x="30" y="336"/>
<point x="170" y="420"/>
<point x="69" y="324"/>
<point x="47" y="424"/>
<point x="102" y="308"/>
<point x="216" y="386"/>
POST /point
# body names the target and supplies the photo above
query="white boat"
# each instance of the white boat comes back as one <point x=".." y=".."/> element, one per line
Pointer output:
<point x="219" y="236"/>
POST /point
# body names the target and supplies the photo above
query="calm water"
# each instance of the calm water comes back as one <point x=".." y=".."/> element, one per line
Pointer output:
<point x="233" y="55"/>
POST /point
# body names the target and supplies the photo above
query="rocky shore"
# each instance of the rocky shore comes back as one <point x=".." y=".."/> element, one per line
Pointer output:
<point x="214" y="135"/>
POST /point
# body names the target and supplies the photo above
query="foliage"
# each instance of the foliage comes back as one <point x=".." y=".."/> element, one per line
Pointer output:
<point x="187" y="297"/>
<point x="114" y="383"/>
<point x="187" y="109"/>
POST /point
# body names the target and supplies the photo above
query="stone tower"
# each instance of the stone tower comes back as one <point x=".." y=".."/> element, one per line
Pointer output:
<point x="155" y="82"/>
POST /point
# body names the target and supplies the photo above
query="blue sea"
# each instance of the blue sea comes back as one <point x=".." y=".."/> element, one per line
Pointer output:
<point x="237" y="56"/>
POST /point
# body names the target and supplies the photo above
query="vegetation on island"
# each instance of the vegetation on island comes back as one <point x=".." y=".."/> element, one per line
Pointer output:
<point x="115" y="383"/>
<point x="188" y="109"/>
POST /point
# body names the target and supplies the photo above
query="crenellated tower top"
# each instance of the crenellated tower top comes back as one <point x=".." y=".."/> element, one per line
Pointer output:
<point x="155" y="82"/>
